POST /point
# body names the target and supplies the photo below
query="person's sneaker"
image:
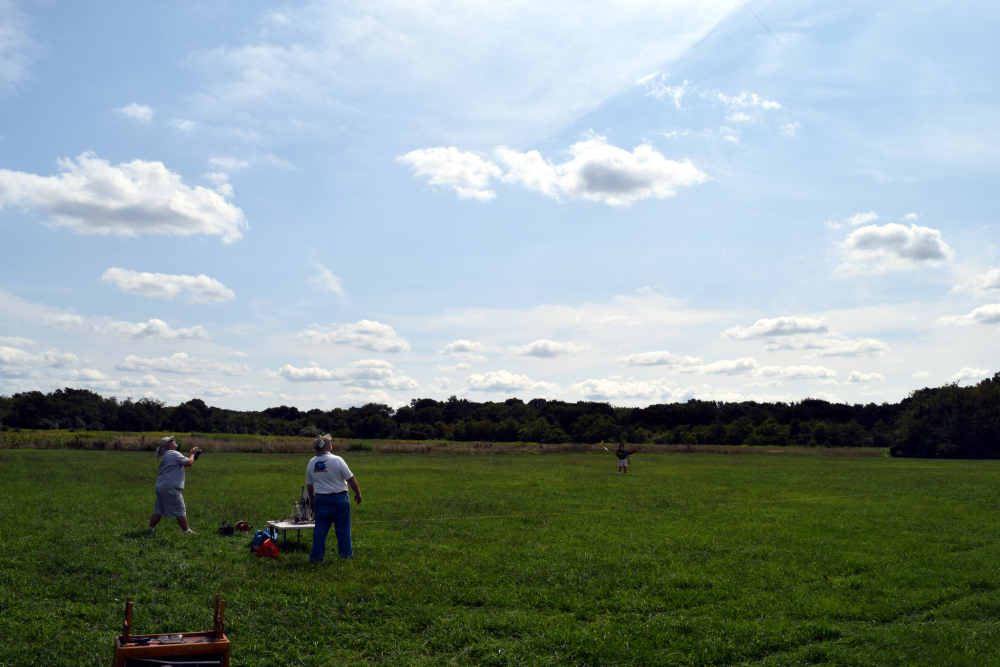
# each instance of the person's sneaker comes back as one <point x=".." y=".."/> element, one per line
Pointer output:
<point x="189" y="532"/>
<point x="150" y="530"/>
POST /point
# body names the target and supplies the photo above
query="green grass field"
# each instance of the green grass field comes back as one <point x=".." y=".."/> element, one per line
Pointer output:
<point x="511" y="559"/>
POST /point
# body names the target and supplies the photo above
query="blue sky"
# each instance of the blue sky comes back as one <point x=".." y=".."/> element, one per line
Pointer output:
<point x="325" y="204"/>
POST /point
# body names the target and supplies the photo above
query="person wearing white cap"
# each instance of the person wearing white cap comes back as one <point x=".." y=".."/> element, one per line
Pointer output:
<point x="169" y="482"/>
<point x="327" y="479"/>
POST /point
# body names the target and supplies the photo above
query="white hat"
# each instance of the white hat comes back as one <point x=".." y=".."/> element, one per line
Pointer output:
<point x="322" y="441"/>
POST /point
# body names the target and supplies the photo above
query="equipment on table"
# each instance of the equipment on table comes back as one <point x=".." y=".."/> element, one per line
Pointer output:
<point x="302" y="511"/>
<point x="187" y="649"/>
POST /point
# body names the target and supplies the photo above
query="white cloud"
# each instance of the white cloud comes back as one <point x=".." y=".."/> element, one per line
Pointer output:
<point x="910" y="216"/>
<point x="325" y="280"/>
<point x="727" y="366"/>
<point x="65" y="321"/>
<point x="506" y="382"/>
<point x="86" y="375"/>
<point x="984" y="282"/>
<point x="462" y="366"/>
<point x="211" y="388"/>
<point x="778" y="326"/>
<point x="596" y="171"/>
<point x="365" y="373"/>
<point x="11" y="356"/>
<point x="92" y="197"/>
<point x="15" y="46"/>
<point x="461" y="348"/>
<point x="920" y="374"/>
<point x="144" y="381"/>
<point x="834" y="345"/>
<point x="180" y="363"/>
<point x="182" y="124"/>
<point x="153" y="327"/>
<point x="366" y="335"/>
<point x="740" y="117"/>
<point x="139" y="112"/>
<point x="544" y="348"/>
<point x="228" y="163"/>
<point x="968" y="373"/>
<point x="893" y="247"/>
<point x="609" y="389"/>
<point x="796" y="372"/>
<point x="747" y="99"/>
<point x="659" y="358"/>
<point x="529" y="170"/>
<point x="790" y="129"/>
<point x="201" y="288"/>
<point x="858" y="376"/>
<point x="238" y="353"/>
<point x="467" y="173"/>
<point x="988" y="314"/>
<point x="16" y="341"/>
<point x="599" y="172"/>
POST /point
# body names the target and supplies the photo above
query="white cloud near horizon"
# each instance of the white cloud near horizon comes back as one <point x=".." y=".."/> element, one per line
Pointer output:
<point x="988" y="314"/>
<point x="778" y="326"/>
<point x="366" y="335"/>
<point x="969" y="373"/>
<point x="504" y="381"/>
<point x="833" y="345"/>
<point x="659" y="358"/>
<point x="152" y="328"/>
<point x="596" y="171"/>
<point x="364" y="373"/>
<point x="325" y="280"/>
<point x="54" y="358"/>
<point x="545" y="349"/>
<point x="201" y="288"/>
<point x="893" y="247"/>
<point x="138" y="112"/>
<point x="180" y="363"/>
<point x="90" y="196"/>
<point x="796" y="372"/>
<point x="858" y="376"/>
<point x="616" y="388"/>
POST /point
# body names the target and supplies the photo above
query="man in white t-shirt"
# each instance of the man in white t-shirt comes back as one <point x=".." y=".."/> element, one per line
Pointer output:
<point x="169" y="482"/>
<point x="327" y="479"/>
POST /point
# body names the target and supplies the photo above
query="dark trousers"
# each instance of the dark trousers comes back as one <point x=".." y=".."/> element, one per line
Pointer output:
<point x="335" y="510"/>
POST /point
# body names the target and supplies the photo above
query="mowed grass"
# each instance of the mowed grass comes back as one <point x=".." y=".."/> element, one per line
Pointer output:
<point x="517" y="559"/>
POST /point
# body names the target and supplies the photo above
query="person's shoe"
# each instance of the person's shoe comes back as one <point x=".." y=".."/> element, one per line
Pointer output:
<point x="150" y="530"/>
<point x="190" y="532"/>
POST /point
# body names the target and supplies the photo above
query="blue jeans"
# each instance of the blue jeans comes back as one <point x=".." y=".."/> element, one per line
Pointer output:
<point x="332" y="509"/>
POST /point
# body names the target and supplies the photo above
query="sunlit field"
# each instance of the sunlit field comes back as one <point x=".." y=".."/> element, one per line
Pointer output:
<point x="517" y="559"/>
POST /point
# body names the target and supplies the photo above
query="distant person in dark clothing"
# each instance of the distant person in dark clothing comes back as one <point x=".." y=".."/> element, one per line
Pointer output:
<point x="622" y="455"/>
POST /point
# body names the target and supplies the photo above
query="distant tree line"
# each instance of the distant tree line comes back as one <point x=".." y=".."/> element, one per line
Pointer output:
<point x="949" y="421"/>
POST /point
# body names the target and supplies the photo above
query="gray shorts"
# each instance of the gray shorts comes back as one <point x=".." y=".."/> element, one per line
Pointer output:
<point x="169" y="503"/>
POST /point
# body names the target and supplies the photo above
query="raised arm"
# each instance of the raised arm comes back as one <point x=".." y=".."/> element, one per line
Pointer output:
<point x="190" y="459"/>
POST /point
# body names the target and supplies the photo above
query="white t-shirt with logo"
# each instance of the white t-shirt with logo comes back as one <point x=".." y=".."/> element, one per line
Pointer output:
<point x="328" y="473"/>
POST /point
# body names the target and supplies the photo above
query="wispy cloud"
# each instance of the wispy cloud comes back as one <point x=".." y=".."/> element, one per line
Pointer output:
<point x="544" y="348"/>
<point x="138" y="112"/>
<point x="325" y="280"/>
<point x="778" y="326"/>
